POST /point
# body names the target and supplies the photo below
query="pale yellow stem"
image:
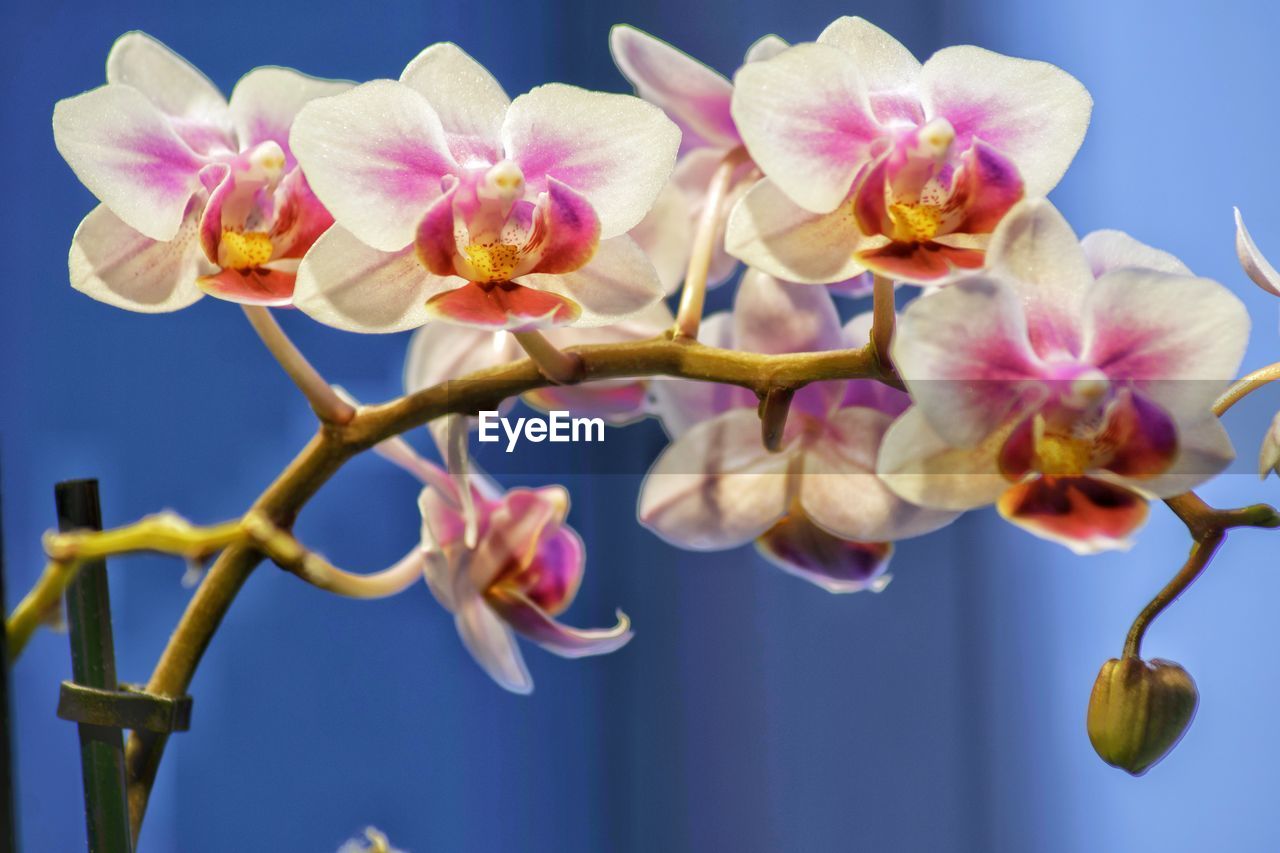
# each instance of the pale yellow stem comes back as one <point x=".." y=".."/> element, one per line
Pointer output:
<point x="1246" y="386"/>
<point x="559" y="367"/>
<point x="694" y="295"/>
<point x="324" y="400"/>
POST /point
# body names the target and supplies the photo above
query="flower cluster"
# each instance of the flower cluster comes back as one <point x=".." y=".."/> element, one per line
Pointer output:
<point x="1068" y="382"/>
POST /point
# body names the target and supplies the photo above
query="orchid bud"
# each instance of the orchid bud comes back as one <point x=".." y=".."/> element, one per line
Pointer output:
<point x="1139" y="710"/>
<point x="1269" y="458"/>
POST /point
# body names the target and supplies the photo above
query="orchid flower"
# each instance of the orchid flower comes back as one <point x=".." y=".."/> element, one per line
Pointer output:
<point x="454" y="203"/>
<point x="873" y="161"/>
<point x="1068" y="383"/>
<point x="198" y="195"/>
<point x="697" y="99"/>
<point x="815" y="508"/>
<point x="440" y="353"/>
<point x="1269" y="457"/>
<point x="523" y="570"/>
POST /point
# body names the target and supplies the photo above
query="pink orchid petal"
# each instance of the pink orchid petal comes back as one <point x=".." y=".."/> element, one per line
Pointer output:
<point x="259" y="286"/>
<point x="492" y="644"/>
<point x="806" y="118"/>
<point x="570" y="230"/>
<point x="618" y="282"/>
<point x="921" y="467"/>
<point x="1255" y="264"/>
<point x="1082" y="513"/>
<point x="1032" y="112"/>
<point x="505" y="305"/>
<point x="716" y="486"/>
<point x="689" y="92"/>
<point x="1178" y="339"/>
<point x="1108" y="250"/>
<point x="344" y="283"/>
<point x="765" y="47"/>
<point x="1143" y="437"/>
<point x="552" y="578"/>
<point x="517" y="526"/>
<point x="301" y="218"/>
<point x="1037" y="253"/>
<point x="436" y="240"/>
<point x="470" y="102"/>
<point x="920" y="263"/>
<point x="616" y="150"/>
<point x="376" y="156"/>
<point x="841" y="492"/>
<point x="801" y="548"/>
<point x="768" y="231"/>
<point x="196" y="109"/>
<point x="112" y="263"/>
<point x="987" y="186"/>
<point x="966" y="357"/>
<point x="126" y="152"/>
<point x="535" y="624"/>
<point x="1204" y="451"/>
<point x="266" y="100"/>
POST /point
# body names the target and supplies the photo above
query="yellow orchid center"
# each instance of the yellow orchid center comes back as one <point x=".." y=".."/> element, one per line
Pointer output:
<point x="1063" y="455"/>
<point x="242" y="250"/>
<point x="916" y="222"/>
<point x="494" y="261"/>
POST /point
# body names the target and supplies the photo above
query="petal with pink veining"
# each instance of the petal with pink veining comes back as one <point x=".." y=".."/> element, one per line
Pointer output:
<point x="691" y="93"/>
<point x="125" y="151"/>
<point x="470" y="102"/>
<point x="618" y="282"/>
<point x="115" y="264"/>
<point x="258" y="286"/>
<point x="266" y="100"/>
<point x="1032" y="112"/>
<point x="616" y="150"/>
<point x="1142" y="437"/>
<point x="1178" y="339"/>
<point x="987" y="185"/>
<point x="196" y="109"/>
<point x="535" y="624"/>
<point x="920" y="263"/>
<point x="503" y="305"/>
<point x="566" y="230"/>
<point x="768" y="231"/>
<point x="376" y="156"/>
<point x="716" y="486"/>
<point x="1082" y="513"/>
<point x="806" y="118"/>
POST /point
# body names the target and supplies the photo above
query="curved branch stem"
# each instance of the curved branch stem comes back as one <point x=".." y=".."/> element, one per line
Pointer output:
<point x="694" y="295"/>
<point x="1246" y="386"/>
<point x="325" y="402"/>
<point x="560" y="367"/>
<point x="884" y="318"/>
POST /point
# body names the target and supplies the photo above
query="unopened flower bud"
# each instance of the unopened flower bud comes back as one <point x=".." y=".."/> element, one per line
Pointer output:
<point x="1139" y="710"/>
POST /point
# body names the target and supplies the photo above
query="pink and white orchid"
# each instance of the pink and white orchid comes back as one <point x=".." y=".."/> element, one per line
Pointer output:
<point x="455" y="203"/>
<point x="1068" y="383"/>
<point x="697" y="99"/>
<point x="815" y="507"/>
<point x="198" y="195"/>
<point x="873" y="161"/>
<point x="441" y="353"/>
<point x="503" y="563"/>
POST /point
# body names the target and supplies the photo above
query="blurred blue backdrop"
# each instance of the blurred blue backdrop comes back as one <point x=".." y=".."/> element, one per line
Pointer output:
<point x="752" y="712"/>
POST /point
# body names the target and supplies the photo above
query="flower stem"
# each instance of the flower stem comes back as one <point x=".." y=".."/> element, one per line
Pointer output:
<point x="1246" y="386"/>
<point x="326" y="402"/>
<point x="884" y="319"/>
<point x="560" y="367"/>
<point x="694" y="295"/>
<point x="1202" y="551"/>
<point x="774" y="408"/>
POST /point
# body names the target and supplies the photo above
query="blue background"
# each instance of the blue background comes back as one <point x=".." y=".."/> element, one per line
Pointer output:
<point x="752" y="712"/>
